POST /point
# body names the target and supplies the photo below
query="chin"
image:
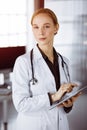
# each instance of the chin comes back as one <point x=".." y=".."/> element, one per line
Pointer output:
<point x="42" y="43"/>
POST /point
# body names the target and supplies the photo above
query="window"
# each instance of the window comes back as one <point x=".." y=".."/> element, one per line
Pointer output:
<point x="71" y="40"/>
<point x="13" y="19"/>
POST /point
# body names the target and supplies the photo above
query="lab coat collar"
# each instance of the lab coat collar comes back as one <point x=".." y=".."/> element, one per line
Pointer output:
<point x="36" y="52"/>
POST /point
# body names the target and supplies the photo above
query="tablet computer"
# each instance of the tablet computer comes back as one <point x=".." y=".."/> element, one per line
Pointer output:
<point x="67" y="96"/>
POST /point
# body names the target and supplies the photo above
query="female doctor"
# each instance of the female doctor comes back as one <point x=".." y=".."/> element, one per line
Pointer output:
<point x="40" y="79"/>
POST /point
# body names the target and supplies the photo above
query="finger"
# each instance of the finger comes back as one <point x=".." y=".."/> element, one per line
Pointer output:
<point x="69" y="90"/>
<point x="71" y="86"/>
<point x="74" y="85"/>
<point x="68" y="103"/>
<point x="61" y="105"/>
<point x="77" y="95"/>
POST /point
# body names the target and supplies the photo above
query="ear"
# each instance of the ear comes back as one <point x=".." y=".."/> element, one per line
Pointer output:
<point x="56" y="29"/>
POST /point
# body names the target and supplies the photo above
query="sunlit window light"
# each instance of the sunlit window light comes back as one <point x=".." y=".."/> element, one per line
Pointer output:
<point x="13" y="19"/>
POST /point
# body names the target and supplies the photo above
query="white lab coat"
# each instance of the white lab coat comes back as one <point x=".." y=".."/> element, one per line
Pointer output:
<point x="32" y="101"/>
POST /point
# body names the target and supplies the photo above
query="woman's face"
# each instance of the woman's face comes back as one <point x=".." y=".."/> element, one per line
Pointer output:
<point x="44" y="29"/>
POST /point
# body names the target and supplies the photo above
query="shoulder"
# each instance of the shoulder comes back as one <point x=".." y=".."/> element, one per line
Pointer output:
<point x="23" y="57"/>
<point x="63" y="58"/>
<point x="22" y="60"/>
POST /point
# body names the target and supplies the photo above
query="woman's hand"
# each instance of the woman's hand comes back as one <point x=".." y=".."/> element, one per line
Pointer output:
<point x="64" y="88"/>
<point x="70" y="102"/>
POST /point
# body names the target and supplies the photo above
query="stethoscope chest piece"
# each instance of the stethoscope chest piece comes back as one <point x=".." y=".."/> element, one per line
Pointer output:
<point x="34" y="81"/>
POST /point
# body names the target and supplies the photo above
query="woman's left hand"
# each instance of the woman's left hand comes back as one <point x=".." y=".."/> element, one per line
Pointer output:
<point x="70" y="101"/>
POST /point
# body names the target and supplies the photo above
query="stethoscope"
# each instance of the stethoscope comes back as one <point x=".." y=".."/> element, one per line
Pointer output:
<point x="63" y="63"/>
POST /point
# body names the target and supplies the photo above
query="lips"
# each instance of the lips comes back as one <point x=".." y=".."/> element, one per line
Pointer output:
<point x="42" y="39"/>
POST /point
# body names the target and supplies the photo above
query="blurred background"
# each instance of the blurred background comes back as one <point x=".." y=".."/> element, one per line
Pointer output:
<point x="16" y="38"/>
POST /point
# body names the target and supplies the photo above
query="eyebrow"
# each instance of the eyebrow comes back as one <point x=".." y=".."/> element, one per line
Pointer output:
<point x="43" y="24"/>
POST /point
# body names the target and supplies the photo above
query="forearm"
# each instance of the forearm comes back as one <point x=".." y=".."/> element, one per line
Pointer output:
<point x="31" y="104"/>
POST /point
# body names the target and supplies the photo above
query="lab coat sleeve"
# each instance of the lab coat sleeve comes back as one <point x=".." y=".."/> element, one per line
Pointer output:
<point x="21" y="96"/>
<point x="67" y="110"/>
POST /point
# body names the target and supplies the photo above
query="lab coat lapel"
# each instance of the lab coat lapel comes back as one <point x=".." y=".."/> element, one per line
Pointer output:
<point x="46" y="71"/>
<point x="44" y="67"/>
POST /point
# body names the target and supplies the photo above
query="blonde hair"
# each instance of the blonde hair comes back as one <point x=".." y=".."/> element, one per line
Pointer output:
<point x="47" y="11"/>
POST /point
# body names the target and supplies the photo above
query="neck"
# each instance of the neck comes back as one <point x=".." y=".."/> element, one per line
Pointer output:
<point x="48" y="51"/>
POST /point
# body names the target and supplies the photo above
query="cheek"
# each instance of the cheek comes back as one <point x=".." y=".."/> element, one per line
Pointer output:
<point x="51" y="33"/>
<point x="35" y="33"/>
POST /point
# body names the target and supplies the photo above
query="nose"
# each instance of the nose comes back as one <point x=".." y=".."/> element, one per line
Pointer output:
<point x="41" y="31"/>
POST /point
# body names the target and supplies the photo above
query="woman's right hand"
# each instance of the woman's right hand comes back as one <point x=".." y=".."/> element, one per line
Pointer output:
<point x="67" y="87"/>
<point x="64" y="88"/>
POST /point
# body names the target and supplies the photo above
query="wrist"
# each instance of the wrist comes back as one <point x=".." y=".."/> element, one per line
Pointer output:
<point x="55" y="97"/>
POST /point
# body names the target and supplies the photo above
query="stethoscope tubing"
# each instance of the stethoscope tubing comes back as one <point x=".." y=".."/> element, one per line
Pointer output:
<point x="67" y="75"/>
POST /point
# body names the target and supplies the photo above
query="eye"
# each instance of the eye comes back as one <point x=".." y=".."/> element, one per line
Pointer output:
<point x="35" y="27"/>
<point x="47" y="26"/>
